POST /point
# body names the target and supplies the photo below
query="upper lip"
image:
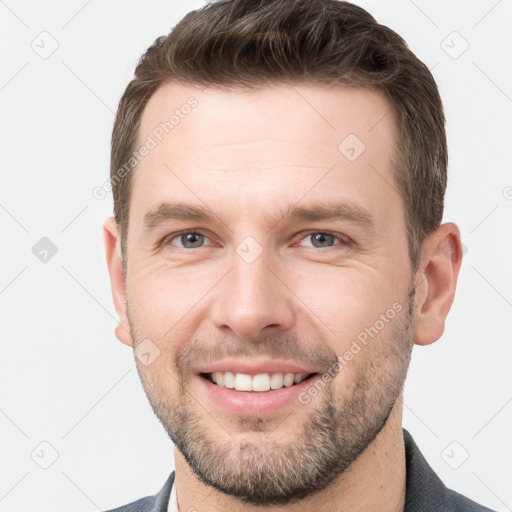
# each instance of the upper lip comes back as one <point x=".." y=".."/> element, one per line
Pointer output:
<point x="255" y="368"/>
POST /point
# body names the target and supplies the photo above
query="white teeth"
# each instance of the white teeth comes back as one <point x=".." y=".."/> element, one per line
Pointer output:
<point x="288" y="379"/>
<point x="260" y="382"/>
<point x="276" y="381"/>
<point x="243" y="382"/>
<point x="229" y="380"/>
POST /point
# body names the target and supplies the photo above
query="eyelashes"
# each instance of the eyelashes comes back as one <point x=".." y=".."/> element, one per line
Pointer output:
<point x="194" y="242"/>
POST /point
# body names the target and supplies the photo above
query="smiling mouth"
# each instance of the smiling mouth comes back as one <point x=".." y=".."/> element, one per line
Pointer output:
<point x="263" y="382"/>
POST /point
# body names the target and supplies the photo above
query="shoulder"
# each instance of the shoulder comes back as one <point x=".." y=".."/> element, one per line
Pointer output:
<point x="459" y="503"/>
<point x="156" y="503"/>
<point x="424" y="489"/>
<point x="146" y="504"/>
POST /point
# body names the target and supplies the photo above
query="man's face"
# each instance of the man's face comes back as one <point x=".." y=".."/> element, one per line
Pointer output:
<point x="266" y="284"/>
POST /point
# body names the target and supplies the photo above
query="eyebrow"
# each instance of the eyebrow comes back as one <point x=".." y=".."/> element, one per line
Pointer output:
<point x="176" y="211"/>
<point x="325" y="211"/>
<point x="345" y="210"/>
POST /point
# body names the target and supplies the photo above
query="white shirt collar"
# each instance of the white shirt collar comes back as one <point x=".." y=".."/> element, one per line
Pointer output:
<point x="173" y="499"/>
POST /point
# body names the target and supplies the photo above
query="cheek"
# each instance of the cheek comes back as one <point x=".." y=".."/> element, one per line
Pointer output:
<point x="162" y="299"/>
<point x="347" y="301"/>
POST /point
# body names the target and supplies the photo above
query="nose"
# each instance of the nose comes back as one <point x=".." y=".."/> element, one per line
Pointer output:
<point x="253" y="301"/>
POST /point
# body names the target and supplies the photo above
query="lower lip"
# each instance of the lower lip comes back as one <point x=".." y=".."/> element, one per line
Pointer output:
<point x="256" y="402"/>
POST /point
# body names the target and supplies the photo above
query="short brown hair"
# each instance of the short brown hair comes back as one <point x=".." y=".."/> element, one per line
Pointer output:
<point x="253" y="43"/>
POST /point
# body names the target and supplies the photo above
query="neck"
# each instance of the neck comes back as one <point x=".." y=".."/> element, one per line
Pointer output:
<point x="375" y="482"/>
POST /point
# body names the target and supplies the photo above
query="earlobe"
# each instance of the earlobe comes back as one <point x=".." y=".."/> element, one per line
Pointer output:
<point x="435" y="289"/>
<point x="117" y="279"/>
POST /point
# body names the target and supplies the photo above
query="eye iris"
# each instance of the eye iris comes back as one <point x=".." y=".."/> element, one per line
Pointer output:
<point x="191" y="240"/>
<point x="321" y="238"/>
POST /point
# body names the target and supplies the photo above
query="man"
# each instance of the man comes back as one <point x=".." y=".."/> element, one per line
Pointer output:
<point x="278" y="172"/>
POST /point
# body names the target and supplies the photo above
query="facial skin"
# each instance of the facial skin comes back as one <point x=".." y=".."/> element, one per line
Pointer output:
<point x="247" y="156"/>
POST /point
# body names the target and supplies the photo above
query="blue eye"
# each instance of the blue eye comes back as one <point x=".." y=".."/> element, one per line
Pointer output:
<point x="320" y="239"/>
<point x="317" y="239"/>
<point x="189" y="240"/>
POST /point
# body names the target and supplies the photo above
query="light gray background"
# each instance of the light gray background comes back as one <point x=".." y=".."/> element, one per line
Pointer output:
<point x="67" y="381"/>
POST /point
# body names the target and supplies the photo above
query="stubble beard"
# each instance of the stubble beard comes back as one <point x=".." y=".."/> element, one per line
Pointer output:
<point x="259" y="470"/>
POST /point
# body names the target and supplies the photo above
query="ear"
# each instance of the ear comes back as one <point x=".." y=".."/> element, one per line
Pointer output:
<point x="437" y="279"/>
<point x="117" y="280"/>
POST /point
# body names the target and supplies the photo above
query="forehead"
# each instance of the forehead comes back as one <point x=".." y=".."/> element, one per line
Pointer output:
<point x="269" y="143"/>
<point x="310" y="113"/>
